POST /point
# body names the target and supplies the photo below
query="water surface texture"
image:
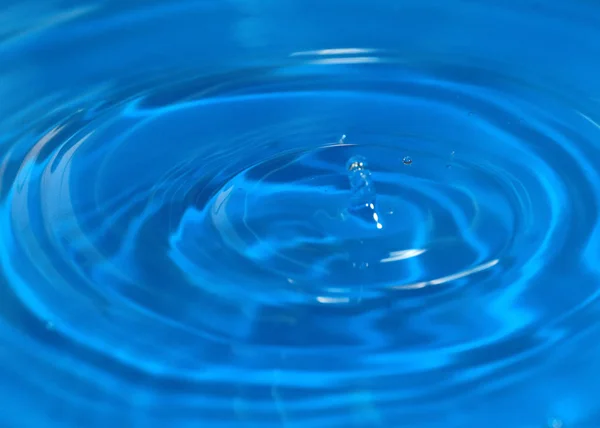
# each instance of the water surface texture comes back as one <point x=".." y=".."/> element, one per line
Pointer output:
<point x="299" y="213"/>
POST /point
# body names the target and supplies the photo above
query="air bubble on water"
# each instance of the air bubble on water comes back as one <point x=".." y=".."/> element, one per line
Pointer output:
<point x="407" y="160"/>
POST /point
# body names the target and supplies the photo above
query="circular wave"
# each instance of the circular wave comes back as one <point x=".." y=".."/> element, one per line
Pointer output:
<point x="311" y="244"/>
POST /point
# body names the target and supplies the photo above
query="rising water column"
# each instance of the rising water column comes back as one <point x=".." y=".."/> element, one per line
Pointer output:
<point x="363" y="199"/>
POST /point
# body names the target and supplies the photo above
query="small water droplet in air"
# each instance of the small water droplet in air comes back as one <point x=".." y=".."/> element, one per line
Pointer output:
<point x="407" y="160"/>
<point x="342" y="139"/>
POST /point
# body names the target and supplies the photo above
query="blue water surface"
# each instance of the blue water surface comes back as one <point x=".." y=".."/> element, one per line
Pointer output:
<point x="299" y="213"/>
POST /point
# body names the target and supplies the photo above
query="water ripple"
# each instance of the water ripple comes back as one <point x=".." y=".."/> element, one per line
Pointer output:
<point x="189" y="249"/>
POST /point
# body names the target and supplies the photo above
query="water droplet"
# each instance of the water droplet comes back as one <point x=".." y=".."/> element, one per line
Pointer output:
<point x="362" y="187"/>
<point x="356" y="163"/>
<point x="341" y="141"/>
<point x="49" y="325"/>
<point x="407" y="160"/>
<point x="361" y="182"/>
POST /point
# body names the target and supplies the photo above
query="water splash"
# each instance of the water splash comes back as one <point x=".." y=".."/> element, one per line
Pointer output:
<point x="363" y="199"/>
<point x="361" y="183"/>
